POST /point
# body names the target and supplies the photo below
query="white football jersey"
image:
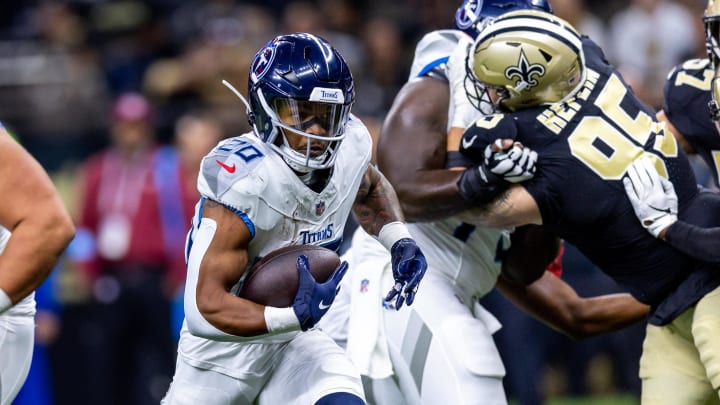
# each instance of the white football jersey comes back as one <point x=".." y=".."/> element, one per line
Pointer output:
<point x="433" y="52"/>
<point x="26" y="306"/>
<point x="244" y="174"/>
<point x="425" y="346"/>
<point x="250" y="178"/>
<point x="468" y="255"/>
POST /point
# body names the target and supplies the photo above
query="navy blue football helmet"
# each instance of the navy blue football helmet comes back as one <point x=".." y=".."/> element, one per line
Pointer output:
<point x="473" y="15"/>
<point x="297" y="81"/>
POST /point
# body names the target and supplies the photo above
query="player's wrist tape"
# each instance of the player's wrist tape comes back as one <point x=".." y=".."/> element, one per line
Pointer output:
<point x="281" y="319"/>
<point x="5" y="301"/>
<point x="391" y="233"/>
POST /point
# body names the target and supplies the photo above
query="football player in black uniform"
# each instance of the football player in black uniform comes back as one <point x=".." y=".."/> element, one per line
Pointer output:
<point x="687" y="94"/>
<point x="692" y="114"/>
<point x="556" y="94"/>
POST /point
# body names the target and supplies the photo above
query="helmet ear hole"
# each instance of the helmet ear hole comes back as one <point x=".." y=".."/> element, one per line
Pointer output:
<point x="548" y="57"/>
<point x="292" y="78"/>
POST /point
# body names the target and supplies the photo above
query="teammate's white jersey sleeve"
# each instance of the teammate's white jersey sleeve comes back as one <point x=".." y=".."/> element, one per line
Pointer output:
<point x="433" y="51"/>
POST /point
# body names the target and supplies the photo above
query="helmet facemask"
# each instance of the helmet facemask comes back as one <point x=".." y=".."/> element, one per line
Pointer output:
<point x="711" y="19"/>
<point x="714" y="103"/>
<point x="296" y="117"/>
<point x="477" y="92"/>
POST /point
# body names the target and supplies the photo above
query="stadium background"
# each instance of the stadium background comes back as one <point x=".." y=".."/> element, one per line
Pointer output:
<point x="63" y="63"/>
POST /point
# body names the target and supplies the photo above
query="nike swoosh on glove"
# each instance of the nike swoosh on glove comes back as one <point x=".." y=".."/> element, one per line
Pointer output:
<point x="652" y="197"/>
<point x="313" y="299"/>
<point x="408" y="267"/>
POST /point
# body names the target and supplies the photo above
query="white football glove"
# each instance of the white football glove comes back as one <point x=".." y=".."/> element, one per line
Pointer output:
<point x="653" y="198"/>
<point x="515" y="165"/>
<point x="463" y="113"/>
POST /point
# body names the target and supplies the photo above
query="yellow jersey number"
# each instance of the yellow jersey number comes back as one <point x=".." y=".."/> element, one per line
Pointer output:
<point x="609" y="151"/>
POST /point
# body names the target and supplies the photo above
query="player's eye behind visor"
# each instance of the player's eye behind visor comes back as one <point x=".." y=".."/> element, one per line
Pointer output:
<point x="302" y="115"/>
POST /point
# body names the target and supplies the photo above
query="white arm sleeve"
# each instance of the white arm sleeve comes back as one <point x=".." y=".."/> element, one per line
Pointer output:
<point x="197" y="324"/>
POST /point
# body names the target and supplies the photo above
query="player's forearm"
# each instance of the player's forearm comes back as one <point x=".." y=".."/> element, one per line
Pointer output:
<point x="548" y="300"/>
<point x="376" y="204"/>
<point x="555" y="303"/>
<point x="430" y="195"/>
<point x="607" y="313"/>
<point x="697" y="242"/>
<point x="33" y="250"/>
<point x="225" y="317"/>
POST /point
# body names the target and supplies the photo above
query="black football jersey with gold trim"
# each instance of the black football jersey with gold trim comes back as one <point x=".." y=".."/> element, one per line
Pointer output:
<point x="687" y="93"/>
<point x="584" y="147"/>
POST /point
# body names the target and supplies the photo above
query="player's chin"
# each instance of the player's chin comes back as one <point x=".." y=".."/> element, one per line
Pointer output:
<point x="316" y="152"/>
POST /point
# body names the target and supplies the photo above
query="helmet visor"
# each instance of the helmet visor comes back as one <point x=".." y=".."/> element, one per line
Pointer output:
<point x="302" y="115"/>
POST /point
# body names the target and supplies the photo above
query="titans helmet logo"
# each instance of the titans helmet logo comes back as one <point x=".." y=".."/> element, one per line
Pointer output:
<point x="262" y="60"/>
<point x="525" y="73"/>
<point x="466" y="15"/>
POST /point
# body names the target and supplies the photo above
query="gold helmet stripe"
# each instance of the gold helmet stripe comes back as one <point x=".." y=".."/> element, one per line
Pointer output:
<point x="524" y="22"/>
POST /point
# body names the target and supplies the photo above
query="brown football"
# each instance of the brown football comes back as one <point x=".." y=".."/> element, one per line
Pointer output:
<point x="273" y="280"/>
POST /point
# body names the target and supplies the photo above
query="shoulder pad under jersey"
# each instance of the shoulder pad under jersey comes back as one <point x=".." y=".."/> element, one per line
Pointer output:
<point x="358" y="136"/>
<point x="433" y="51"/>
<point x="232" y="161"/>
<point x="686" y="97"/>
<point x="354" y="154"/>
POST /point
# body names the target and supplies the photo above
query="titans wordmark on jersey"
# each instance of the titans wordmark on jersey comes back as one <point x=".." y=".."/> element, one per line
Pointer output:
<point x="244" y="174"/>
<point x="584" y="147"/>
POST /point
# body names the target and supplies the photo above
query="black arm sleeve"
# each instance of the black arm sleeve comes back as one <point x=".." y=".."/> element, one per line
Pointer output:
<point x="700" y="243"/>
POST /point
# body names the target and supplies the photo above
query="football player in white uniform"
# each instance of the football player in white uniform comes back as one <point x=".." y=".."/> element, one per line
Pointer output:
<point x="571" y="107"/>
<point x="35" y="228"/>
<point x="442" y="351"/>
<point x="293" y="180"/>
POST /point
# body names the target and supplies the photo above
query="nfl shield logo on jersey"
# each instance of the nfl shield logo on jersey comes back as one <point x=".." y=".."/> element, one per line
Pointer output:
<point x="364" y="285"/>
<point x="320" y="208"/>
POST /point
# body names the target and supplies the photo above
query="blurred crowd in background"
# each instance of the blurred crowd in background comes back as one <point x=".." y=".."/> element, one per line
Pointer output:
<point x="119" y="100"/>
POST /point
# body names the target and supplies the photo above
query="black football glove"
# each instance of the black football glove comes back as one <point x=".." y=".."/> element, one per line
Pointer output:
<point x="479" y="185"/>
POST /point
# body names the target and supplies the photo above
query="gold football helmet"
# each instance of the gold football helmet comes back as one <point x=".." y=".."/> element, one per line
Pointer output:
<point x="528" y="58"/>
<point x="711" y="18"/>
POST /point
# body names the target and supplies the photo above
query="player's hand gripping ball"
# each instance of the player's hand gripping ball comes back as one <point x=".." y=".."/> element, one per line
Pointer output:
<point x="273" y="281"/>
